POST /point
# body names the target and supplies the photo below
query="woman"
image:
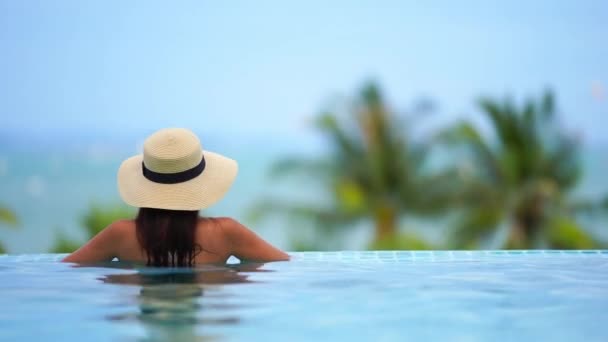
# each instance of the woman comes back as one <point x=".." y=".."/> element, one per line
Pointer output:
<point x="170" y="183"/>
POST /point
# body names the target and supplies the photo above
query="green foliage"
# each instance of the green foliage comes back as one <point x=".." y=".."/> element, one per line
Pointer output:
<point x="98" y="217"/>
<point x="566" y="234"/>
<point x="94" y="221"/>
<point x="401" y="242"/>
<point x="475" y="226"/>
<point x="375" y="172"/>
<point x="7" y="218"/>
<point x="520" y="177"/>
<point x="64" y="244"/>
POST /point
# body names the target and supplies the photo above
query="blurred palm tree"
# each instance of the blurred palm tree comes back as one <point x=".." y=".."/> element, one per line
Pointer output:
<point x="7" y="217"/>
<point x="94" y="221"/>
<point x="375" y="171"/>
<point x="521" y="181"/>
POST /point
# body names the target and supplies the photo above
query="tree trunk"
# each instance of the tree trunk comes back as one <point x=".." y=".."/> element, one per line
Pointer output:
<point x="385" y="218"/>
<point x="526" y="227"/>
<point x="517" y="237"/>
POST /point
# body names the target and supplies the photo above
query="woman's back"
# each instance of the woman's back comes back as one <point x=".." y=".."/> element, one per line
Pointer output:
<point x="210" y="236"/>
<point x="170" y="183"/>
<point x="218" y="238"/>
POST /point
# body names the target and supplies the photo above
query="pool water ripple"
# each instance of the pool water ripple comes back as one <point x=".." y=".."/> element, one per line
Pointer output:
<point x="386" y="296"/>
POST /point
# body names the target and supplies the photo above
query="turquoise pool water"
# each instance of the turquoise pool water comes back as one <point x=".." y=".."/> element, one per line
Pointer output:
<point x="379" y="296"/>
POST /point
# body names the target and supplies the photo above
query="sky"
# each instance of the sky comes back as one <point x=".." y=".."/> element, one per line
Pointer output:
<point x="246" y="70"/>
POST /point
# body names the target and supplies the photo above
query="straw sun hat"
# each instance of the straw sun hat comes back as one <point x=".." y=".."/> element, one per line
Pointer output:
<point x="175" y="173"/>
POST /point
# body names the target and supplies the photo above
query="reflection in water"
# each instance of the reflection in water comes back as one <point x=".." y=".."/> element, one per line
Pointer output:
<point x="170" y="301"/>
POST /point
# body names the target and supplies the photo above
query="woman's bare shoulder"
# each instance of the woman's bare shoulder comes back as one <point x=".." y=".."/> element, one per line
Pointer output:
<point x="245" y="244"/>
<point x="224" y="228"/>
<point x="123" y="231"/>
<point x="227" y="225"/>
<point x="123" y="226"/>
<point x="105" y="245"/>
<point x="218" y="222"/>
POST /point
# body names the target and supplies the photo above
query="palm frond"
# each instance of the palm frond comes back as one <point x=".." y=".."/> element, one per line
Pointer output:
<point x="538" y="165"/>
<point x="475" y="225"/>
<point x="565" y="233"/>
<point x="347" y="145"/>
<point x="547" y="106"/>
<point x="562" y="163"/>
<point x="373" y="164"/>
<point x="327" y="217"/>
<point x="465" y="133"/>
<point x="8" y="217"/>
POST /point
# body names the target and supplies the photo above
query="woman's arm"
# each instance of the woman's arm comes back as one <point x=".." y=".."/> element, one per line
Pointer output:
<point x="246" y="245"/>
<point x="100" y="248"/>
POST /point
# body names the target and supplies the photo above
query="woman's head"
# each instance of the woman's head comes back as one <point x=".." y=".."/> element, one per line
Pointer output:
<point x="170" y="182"/>
<point x="174" y="172"/>
<point x="168" y="237"/>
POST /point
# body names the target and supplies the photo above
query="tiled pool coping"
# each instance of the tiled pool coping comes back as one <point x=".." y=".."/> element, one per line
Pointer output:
<point x="380" y="256"/>
<point x="390" y="256"/>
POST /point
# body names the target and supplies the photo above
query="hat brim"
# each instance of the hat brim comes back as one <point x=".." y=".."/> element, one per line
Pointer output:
<point x="196" y="194"/>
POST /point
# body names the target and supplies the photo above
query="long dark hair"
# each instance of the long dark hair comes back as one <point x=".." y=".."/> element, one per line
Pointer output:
<point x="168" y="237"/>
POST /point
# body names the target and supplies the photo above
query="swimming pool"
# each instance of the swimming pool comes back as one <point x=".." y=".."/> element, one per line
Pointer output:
<point x="379" y="296"/>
